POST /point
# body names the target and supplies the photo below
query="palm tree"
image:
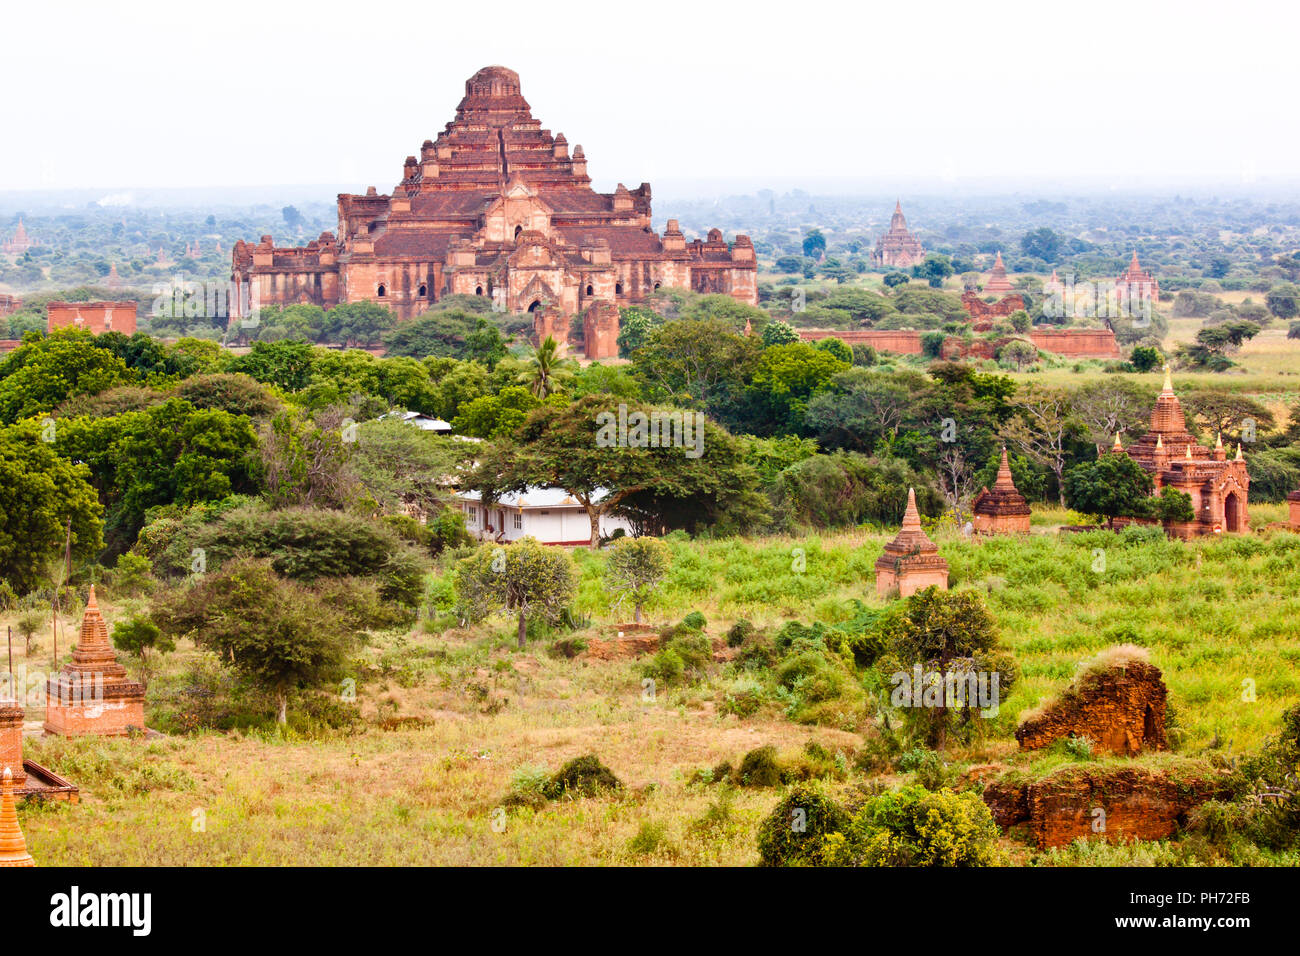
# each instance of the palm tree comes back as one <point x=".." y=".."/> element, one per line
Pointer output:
<point x="546" y="369"/>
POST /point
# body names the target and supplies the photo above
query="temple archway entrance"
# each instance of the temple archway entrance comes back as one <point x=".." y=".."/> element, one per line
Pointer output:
<point x="1232" y="512"/>
<point x="537" y="304"/>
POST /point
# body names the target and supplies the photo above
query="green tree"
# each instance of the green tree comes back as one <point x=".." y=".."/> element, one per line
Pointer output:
<point x="39" y="493"/>
<point x="1144" y="358"/>
<point x="946" y="632"/>
<point x="1283" y="300"/>
<point x="1112" y="486"/>
<point x="787" y="377"/>
<point x="634" y="327"/>
<point x="527" y="578"/>
<point x="145" y="641"/>
<point x="43" y="372"/>
<point x="635" y="568"/>
<point x="779" y="333"/>
<point x="934" y="270"/>
<point x="814" y="244"/>
<point x="495" y="416"/>
<point x="579" y="448"/>
<point x="547" y="370"/>
<point x="360" y="323"/>
<point x="894" y="279"/>
<point x="275" y="632"/>
<point x="285" y="364"/>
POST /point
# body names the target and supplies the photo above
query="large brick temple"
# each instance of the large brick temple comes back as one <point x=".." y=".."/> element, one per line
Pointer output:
<point x="1219" y="486"/>
<point x="496" y="206"/>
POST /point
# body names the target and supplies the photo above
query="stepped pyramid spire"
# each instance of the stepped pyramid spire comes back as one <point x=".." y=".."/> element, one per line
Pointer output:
<point x="998" y="283"/>
<point x="1003" y="480"/>
<point x="13" y="845"/>
<point x="91" y="695"/>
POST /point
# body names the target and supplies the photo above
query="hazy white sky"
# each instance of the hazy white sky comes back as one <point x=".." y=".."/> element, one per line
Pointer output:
<point x="245" y="93"/>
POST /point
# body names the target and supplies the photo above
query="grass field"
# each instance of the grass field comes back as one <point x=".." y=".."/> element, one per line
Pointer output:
<point x="449" y="717"/>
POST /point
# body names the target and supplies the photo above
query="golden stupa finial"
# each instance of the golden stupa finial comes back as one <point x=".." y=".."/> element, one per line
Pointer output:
<point x="1239" y="458"/>
<point x="1117" y="446"/>
<point x="1218" y="439"/>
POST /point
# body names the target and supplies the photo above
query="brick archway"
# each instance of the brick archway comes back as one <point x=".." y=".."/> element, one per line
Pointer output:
<point x="1231" y="512"/>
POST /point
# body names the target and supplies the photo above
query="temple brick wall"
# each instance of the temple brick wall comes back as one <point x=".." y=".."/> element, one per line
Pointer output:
<point x="96" y="317"/>
<point x="1075" y="343"/>
<point x="11" y="740"/>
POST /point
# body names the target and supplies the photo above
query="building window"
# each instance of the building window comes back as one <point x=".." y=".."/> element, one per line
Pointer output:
<point x="618" y="288"/>
<point x="589" y="290"/>
<point x="519" y="520"/>
<point x="382" y="290"/>
<point x="424" y="290"/>
<point x="537" y="304"/>
<point x="518" y="230"/>
<point x="478" y="290"/>
<point x="656" y="285"/>
<point x="473" y="514"/>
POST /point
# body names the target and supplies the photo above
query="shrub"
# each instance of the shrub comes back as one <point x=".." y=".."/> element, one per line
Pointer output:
<point x="739" y="633"/>
<point x="794" y="832"/>
<point x="666" y="667"/>
<point x="695" y="621"/>
<point x="650" y="838"/>
<point x="759" y="768"/>
<point x="583" y="776"/>
<point x="926" y="765"/>
<point x="914" y="827"/>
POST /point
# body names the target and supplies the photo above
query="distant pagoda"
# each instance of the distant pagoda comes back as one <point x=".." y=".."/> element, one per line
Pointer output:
<point x="1002" y="509"/>
<point x="1136" y="283"/>
<point x="911" y="561"/>
<point x="898" y="248"/>
<point x="998" y="283"/>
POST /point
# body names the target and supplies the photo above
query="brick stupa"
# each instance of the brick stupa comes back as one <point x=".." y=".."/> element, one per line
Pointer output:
<point x="1002" y="509"/>
<point x="91" y="696"/>
<point x="998" y="283"/>
<point x="13" y="846"/>
<point x="911" y="561"/>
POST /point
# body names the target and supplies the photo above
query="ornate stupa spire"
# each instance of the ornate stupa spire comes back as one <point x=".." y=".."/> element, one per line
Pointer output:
<point x="1001" y="509"/>
<point x="91" y="695"/>
<point x="911" y="561"/>
<point x="1239" y="457"/>
<point x="1003" y="480"/>
<point x="1117" y="446"/>
<point x="998" y="283"/>
<point x="13" y="845"/>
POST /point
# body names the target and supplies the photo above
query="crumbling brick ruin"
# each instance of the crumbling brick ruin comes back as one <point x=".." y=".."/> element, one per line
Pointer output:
<point x="1101" y="802"/>
<point x="1117" y="702"/>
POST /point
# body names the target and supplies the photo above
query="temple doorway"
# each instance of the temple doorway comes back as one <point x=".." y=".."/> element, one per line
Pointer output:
<point x="1231" y="512"/>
